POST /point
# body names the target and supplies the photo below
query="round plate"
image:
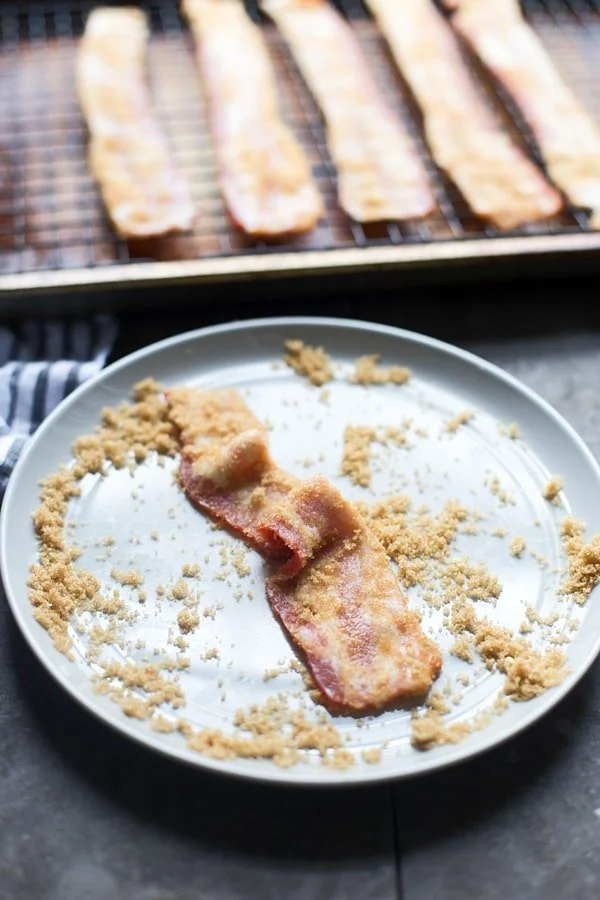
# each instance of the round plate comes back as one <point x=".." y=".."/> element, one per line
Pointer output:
<point x="157" y="530"/>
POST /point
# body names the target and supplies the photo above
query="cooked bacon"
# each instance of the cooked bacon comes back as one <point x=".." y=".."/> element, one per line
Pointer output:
<point x="341" y="604"/>
<point x="265" y="176"/>
<point x="498" y="181"/>
<point x="144" y="193"/>
<point x="380" y="176"/>
<point x="225" y="468"/>
<point x="334" y="592"/>
<point x="567" y="136"/>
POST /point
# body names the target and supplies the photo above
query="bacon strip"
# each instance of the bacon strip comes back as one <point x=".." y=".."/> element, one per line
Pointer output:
<point x="339" y="600"/>
<point x="567" y="136"/>
<point x="334" y="593"/>
<point x="144" y="193"/>
<point x="497" y="180"/>
<point x="380" y="175"/>
<point x="265" y="176"/>
<point x="225" y="469"/>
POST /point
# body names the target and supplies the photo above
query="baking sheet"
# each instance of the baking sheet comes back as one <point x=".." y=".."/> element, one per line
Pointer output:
<point x="54" y="235"/>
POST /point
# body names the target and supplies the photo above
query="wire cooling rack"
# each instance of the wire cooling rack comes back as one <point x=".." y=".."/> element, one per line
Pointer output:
<point x="53" y="230"/>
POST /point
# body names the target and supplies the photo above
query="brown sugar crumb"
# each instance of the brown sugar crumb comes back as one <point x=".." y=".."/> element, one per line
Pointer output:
<point x="551" y="491"/>
<point x="473" y="580"/>
<point x="372" y="756"/>
<point x="131" y="430"/>
<point x="127" y="578"/>
<point x="187" y="621"/>
<point x="57" y="587"/>
<point x="366" y="371"/>
<point x="429" y="729"/>
<point x="139" y="689"/>
<point x="462" y="648"/>
<point x="271" y="731"/>
<point x="179" y="590"/>
<point x="239" y="561"/>
<point x="529" y="672"/>
<point x="179" y="643"/>
<point x="503" y="496"/>
<point x="339" y="759"/>
<point x="437" y="702"/>
<point x="511" y="430"/>
<point x="461" y="418"/>
<point x="311" y="362"/>
<point x="99" y="635"/>
<point x="356" y="454"/>
<point x="190" y="570"/>
<point x="533" y="616"/>
<point x="583" y="560"/>
<point x="154" y="535"/>
<point x="517" y="546"/>
<point x="413" y="541"/>
<point x="163" y="725"/>
<point x="498" y="532"/>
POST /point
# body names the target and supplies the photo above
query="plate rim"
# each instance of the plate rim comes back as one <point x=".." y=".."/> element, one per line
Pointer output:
<point x="459" y="753"/>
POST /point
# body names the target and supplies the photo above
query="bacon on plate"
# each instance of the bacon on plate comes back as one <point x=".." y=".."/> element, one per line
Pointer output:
<point x="339" y="600"/>
<point x="380" y="176"/>
<point x="566" y="134"/>
<point x="497" y="180"/>
<point x="334" y="591"/>
<point x="265" y="175"/>
<point x="144" y="193"/>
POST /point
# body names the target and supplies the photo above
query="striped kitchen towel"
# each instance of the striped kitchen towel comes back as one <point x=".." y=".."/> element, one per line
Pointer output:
<point x="40" y="363"/>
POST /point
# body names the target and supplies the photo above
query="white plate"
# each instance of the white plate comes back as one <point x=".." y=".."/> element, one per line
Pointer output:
<point x="445" y="381"/>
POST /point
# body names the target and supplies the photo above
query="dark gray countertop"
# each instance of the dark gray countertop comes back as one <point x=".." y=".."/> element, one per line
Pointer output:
<point x="86" y="815"/>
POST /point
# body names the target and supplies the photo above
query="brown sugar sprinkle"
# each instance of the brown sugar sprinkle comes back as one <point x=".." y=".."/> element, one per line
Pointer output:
<point x="179" y="590"/>
<point x="130" y="430"/>
<point x="140" y="689"/>
<point x="311" y="362"/>
<point x="437" y="702"/>
<point x="462" y="648"/>
<point x="430" y="730"/>
<point x="372" y="756"/>
<point x="367" y="371"/>
<point x="127" y="578"/>
<point x="162" y="725"/>
<point x="356" y="454"/>
<point x="498" y="491"/>
<point x="464" y="578"/>
<point x="583" y="560"/>
<point x="517" y="546"/>
<point x="190" y="570"/>
<point x="187" y="620"/>
<point x="553" y="488"/>
<point x="533" y="616"/>
<point x="512" y="431"/>
<point x="239" y="561"/>
<point x="57" y="587"/>
<point x="276" y="732"/>
<point x="529" y="672"/>
<point x="461" y="418"/>
<point x="413" y="542"/>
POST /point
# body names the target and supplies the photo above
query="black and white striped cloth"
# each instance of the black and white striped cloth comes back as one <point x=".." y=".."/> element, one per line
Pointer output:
<point x="40" y="363"/>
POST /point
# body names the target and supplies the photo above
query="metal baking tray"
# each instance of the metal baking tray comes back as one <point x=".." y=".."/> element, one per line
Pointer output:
<point x="54" y="235"/>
